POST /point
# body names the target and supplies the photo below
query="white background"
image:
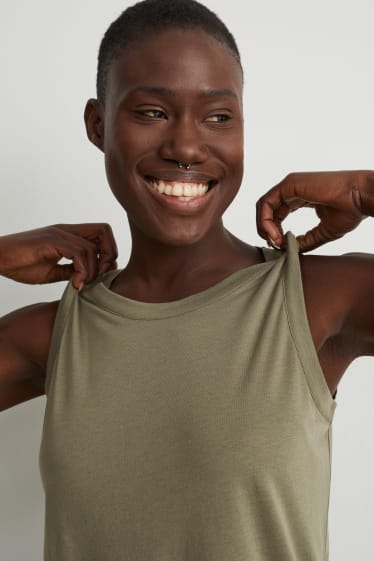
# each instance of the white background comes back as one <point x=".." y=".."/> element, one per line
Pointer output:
<point x="309" y="96"/>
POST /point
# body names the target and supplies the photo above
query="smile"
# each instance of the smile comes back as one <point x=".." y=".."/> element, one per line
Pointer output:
<point x="182" y="189"/>
<point x="170" y="193"/>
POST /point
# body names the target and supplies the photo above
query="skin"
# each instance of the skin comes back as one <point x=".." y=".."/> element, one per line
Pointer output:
<point x="145" y="134"/>
<point x="176" y="253"/>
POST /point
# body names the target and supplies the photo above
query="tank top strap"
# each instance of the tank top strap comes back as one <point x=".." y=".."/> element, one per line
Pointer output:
<point x="300" y="331"/>
<point x="68" y="297"/>
<point x="271" y="254"/>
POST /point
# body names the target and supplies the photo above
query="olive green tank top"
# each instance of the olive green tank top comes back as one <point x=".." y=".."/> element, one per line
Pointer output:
<point x="192" y="430"/>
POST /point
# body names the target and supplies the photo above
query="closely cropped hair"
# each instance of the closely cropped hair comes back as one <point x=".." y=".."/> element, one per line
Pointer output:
<point x="151" y="17"/>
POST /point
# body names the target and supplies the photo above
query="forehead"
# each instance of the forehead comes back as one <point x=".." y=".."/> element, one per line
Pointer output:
<point x="180" y="60"/>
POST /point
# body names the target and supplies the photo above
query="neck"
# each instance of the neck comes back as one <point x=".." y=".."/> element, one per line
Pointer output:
<point x="159" y="272"/>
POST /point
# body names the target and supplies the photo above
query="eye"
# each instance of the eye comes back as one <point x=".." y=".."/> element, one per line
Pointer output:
<point x="218" y="118"/>
<point x="153" y="114"/>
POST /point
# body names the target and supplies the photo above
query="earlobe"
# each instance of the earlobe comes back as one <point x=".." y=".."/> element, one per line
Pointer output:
<point x="94" y="120"/>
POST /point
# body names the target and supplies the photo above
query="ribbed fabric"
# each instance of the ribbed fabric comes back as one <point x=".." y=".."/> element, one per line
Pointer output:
<point x="192" y="430"/>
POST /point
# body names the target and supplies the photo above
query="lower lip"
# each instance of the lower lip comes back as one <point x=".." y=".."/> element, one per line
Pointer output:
<point x="194" y="204"/>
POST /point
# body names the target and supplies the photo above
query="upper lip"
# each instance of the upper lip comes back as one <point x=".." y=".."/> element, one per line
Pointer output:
<point x="182" y="177"/>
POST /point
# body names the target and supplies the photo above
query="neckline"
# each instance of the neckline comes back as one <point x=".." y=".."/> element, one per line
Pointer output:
<point x="101" y="295"/>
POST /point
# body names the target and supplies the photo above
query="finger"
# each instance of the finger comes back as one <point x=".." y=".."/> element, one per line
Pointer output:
<point x="108" y="251"/>
<point x="284" y="210"/>
<point x="66" y="271"/>
<point x="106" y="248"/>
<point x="101" y="235"/>
<point x="60" y="273"/>
<point x="83" y="267"/>
<point x="277" y="199"/>
<point x="88" y="253"/>
<point x="267" y="226"/>
<point x="290" y="206"/>
<point x="314" y="238"/>
<point x="88" y="249"/>
<point x="109" y="267"/>
<point x="272" y="211"/>
<point x="281" y="213"/>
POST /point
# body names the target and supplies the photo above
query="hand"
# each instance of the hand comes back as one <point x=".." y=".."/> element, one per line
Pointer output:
<point x="341" y="199"/>
<point x="32" y="257"/>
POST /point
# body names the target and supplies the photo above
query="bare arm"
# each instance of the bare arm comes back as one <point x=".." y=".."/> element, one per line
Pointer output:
<point x="341" y="199"/>
<point x="359" y="324"/>
<point x="33" y="257"/>
<point x="24" y="352"/>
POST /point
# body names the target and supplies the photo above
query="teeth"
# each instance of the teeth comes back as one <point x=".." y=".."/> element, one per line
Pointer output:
<point x="161" y="187"/>
<point x="177" y="189"/>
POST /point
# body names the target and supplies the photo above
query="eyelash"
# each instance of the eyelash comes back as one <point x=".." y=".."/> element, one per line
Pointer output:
<point x="226" y="117"/>
<point x="146" y="114"/>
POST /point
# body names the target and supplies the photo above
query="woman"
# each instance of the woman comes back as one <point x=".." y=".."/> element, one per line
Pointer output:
<point x="189" y="395"/>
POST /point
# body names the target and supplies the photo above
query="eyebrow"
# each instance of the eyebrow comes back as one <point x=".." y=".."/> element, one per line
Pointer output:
<point x="172" y="93"/>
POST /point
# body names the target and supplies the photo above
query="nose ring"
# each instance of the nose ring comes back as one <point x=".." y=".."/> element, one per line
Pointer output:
<point x="187" y="166"/>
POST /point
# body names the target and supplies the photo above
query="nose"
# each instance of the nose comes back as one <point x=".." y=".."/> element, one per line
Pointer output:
<point x="183" y="142"/>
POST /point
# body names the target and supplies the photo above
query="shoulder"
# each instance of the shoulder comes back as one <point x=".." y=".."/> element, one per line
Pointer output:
<point x="344" y="275"/>
<point x="352" y="262"/>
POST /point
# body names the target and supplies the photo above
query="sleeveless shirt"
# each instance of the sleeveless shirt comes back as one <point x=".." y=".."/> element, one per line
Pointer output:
<point x="192" y="430"/>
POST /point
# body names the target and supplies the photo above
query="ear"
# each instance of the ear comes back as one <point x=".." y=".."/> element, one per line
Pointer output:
<point x="94" y="119"/>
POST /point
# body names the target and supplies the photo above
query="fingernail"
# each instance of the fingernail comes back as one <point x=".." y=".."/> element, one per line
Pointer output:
<point x="274" y="244"/>
<point x="80" y="286"/>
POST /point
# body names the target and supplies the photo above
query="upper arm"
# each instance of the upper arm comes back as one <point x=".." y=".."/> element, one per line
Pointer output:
<point x="359" y="290"/>
<point x="25" y="336"/>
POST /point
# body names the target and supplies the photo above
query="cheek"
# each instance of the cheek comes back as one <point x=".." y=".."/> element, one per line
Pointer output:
<point x="124" y="148"/>
<point x="234" y="155"/>
<point x="114" y="173"/>
<point x="119" y="154"/>
<point x="231" y="149"/>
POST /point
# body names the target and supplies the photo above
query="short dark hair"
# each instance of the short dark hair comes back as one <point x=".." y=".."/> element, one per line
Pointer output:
<point x="151" y="17"/>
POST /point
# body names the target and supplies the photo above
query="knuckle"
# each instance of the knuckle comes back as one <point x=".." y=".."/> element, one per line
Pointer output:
<point x="290" y="177"/>
<point x="53" y="229"/>
<point x="57" y="227"/>
<point x="82" y="252"/>
<point x="106" y="227"/>
<point x="114" y="252"/>
<point x="90" y="245"/>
